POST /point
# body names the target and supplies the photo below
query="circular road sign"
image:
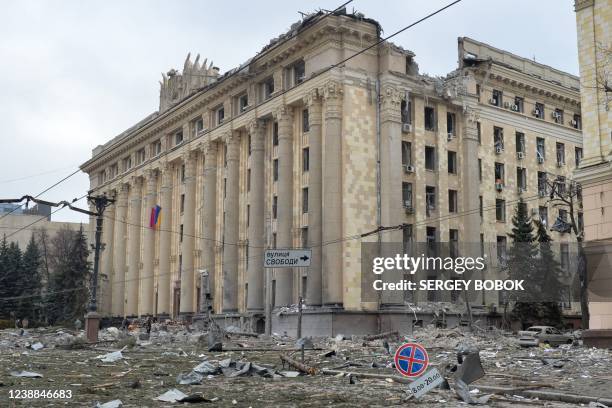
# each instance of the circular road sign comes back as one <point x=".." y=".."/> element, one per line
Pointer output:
<point x="411" y="359"/>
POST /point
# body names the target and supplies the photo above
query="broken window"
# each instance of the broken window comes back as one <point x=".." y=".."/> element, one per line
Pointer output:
<point x="156" y="148"/>
<point x="480" y="206"/>
<point x="430" y="198"/>
<point x="405" y="108"/>
<point x="540" y="149"/>
<point x="558" y="115"/>
<point x="406" y="153"/>
<point x="480" y="169"/>
<point x="453" y="237"/>
<point x="500" y="210"/>
<point x="220" y="115"/>
<point x="407" y="195"/>
<point x="563" y="215"/>
<point x="519" y="104"/>
<point x="521" y="178"/>
<point x="498" y="139"/>
<point x="430" y="118"/>
<point x="520" y="142"/>
<point x="452" y="201"/>
<point x="496" y="98"/>
<point x="430" y="158"/>
<point x="182" y="205"/>
<point x="182" y="228"/>
<point x="275" y="134"/>
<point x="275" y="170"/>
<point x="478" y="132"/>
<point x="295" y="74"/>
<point x="127" y="163"/>
<point x="248" y="180"/>
<point x="197" y="125"/>
<point x="560" y="184"/>
<point x="267" y="88"/>
<point x="564" y="256"/>
<point x="543" y="215"/>
<point x="140" y="156"/>
<point x="305" y="159"/>
<point x="560" y="154"/>
<point x="305" y="200"/>
<point x="304" y="237"/>
<point x="182" y="170"/>
<point x="576" y="122"/>
<point x="538" y="111"/>
<point x="243" y="103"/>
<point x="452" y="162"/>
<point x="431" y="235"/>
<point x="274" y="209"/>
<point x="499" y="173"/>
<point x="178" y="138"/>
<point x="578" y="155"/>
<point x="305" y="121"/>
<point x="249" y="144"/>
<point x="450" y="123"/>
<point x="542" y="185"/>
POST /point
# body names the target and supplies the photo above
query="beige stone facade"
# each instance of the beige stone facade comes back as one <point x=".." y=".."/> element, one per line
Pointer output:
<point x="594" y="26"/>
<point x="283" y="152"/>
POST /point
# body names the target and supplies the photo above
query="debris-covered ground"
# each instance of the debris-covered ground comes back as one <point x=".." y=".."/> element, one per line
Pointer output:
<point x="174" y="363"/>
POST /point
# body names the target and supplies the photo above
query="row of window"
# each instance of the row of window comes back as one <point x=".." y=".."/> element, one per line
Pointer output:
<point x="517" y="104"/>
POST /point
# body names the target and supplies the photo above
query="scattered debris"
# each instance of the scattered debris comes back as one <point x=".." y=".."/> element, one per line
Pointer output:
<point x="110" y="404"/>
<point x="26" y="374"/>
<point x="111" y="357"/>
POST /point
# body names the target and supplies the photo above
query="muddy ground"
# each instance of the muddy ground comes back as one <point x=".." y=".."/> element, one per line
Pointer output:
<point x="150" y="367"/>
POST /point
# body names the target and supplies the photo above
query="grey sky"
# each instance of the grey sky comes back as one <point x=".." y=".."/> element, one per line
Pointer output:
<point x="74" y="74"/>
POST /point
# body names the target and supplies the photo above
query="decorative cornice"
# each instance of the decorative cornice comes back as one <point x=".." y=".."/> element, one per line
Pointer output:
<point x="582" y="4"/>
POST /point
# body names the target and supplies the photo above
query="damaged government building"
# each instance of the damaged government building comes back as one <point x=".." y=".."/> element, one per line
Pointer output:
<point x="300" y="147"/>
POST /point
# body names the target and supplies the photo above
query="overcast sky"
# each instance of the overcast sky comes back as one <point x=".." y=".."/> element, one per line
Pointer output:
<point x="73" y="74"/>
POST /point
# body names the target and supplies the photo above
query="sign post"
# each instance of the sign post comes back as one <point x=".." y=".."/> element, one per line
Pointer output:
<point x="287" y="258"/>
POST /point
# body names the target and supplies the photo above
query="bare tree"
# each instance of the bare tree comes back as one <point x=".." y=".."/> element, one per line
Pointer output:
<point x="568" y="194"/>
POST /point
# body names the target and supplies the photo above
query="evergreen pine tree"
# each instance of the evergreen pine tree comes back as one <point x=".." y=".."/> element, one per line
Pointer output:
<point x="30" y="279"/>
<point x="4" y="277"/>
<point x="13" y="287"/>
<point x="520" y="265"/>
<point x="549" y="272"/>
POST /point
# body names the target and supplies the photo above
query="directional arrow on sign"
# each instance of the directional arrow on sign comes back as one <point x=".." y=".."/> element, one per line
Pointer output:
<point x="304" y="258"/>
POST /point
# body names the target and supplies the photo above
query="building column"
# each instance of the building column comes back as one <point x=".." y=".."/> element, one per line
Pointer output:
<point x="107" y="259"/>
<point x="187" y="246"/>
<point x="332" y="196"/>
<point x="255" y="270"/>
<point x="315" y="203"/>
<point x="391" y="173"/>
<point x="163" y="277"/>
<point x="133" y="275"/>
<point x="210" y="212"/>
<point x="284" y="276"/>
<point x="230" y="241"/>
<point x="119" y="267"/>
<point x="147" y="303"/>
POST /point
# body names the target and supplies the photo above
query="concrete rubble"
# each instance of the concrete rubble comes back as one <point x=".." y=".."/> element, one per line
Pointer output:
<point x="173" y="363"/>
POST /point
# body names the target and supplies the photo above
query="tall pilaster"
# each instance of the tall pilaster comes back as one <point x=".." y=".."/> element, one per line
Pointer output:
<point x="146" y="282"/>
<point x="107" y="258"/>
<point x="315" y="203"/>
<point x="284" y="276"/>
<point x="187" y="247"/>
<point x="133" y="275"/>
<point x="210" y="212"/>
<point x="255" y="275"/>
<point x="163" y="277"/>
<point x="332" y="196"/>
<point x="119" y="266"/>
<point x="230" y="243"/>
<point x="391" y="182"/>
